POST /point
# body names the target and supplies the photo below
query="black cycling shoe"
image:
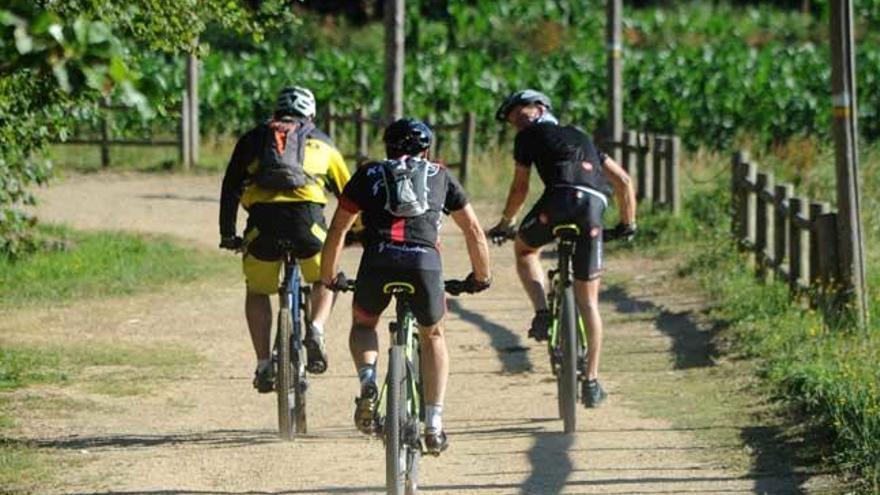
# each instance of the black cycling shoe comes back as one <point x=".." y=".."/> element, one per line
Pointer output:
<point x="264" y="380"/>
<point x="540" y="329"/>
<point x="364" y="419"/>
<point x="317" y="356"/>
<point x="435" y="441"/>
<point x="593" y="394"/>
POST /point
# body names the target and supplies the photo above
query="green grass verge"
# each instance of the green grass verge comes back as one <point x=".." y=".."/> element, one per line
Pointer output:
<point x="825" y="373"/>
<point x="92" y="264"/>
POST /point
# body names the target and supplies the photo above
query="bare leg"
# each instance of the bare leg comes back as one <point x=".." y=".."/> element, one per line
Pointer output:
<point x="258" y="310"/>
<point x="322" y="302"/>
<point x="587" y="295"/>
<point x="435" y="363"/>
<point x="531" y="274"/>
<point x="363" y="341"/>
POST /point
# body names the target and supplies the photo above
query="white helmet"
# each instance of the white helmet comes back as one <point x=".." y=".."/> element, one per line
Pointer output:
<point x="297" y="101"/>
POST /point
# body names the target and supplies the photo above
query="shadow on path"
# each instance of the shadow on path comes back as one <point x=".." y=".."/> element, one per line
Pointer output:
<point x="692" y="347"/>
<point x="551" y="463"/>
<point x="507" y="344"/>
<point x="215" y="438"/>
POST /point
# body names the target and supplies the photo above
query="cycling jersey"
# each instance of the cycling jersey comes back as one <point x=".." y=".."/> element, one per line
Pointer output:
<point x="563" y="155"/>
<point x="322" y="162"/>
<point x="365" y="193"/>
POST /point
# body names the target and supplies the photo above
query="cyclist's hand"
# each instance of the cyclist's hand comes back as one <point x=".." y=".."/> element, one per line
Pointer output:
<point x="469" y="285"/>
<point x="231" y="242"/>
<point x="340" y="283"/>
<point x="622" y="231"/>
<point x="503" y="231"/>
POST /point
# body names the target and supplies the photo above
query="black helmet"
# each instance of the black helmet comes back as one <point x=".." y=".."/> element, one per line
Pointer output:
<point x="295" y="101"/>
<point x="407" y="137"/>
<point x="523" y="97"/>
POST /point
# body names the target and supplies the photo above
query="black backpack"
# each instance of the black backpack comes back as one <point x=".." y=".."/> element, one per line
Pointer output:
<point x="406" y="186"/>
<point x="280" y="164"/>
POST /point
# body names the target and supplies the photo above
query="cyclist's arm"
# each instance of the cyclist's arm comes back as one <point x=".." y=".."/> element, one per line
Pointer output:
<point x="519" y="190"/>
<point x="337" y="173"/>
<point x="233" y="182"/>
<point x="343" y="219"/>
<point x="624" y="192"/>
<point x="477" y="246"/>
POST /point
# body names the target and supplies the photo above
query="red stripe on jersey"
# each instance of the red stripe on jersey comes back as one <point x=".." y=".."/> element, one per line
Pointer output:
<point x="398" y="229"/>
<point x="348" y="205"/>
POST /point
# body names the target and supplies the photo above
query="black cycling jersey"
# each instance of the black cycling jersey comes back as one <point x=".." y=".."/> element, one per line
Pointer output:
<point x="563" y="155"/>
<point x="365" y="192"/>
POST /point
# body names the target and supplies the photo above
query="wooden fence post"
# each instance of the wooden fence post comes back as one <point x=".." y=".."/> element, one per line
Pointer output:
<point x="645" y="169"/>
<point x="816" y="210"/>
<point x="467" y="144"/>
<point x="105" y="136"/>
<point x="763" y="183"/>
<point x="192" y="90"/>
<point x="749" y="202"/>
<point x="360" y="118"/>
<point x="799" y="247"/>
<point x="829" y="264"/>
<point x="780" y="224"/>
<point x="329" y="121"/>
<point x="657" y="189"/>
<point x="628" y="151"/>
<point x="736" y="204"/>
<point x="185" y="144"/>
<point x="673" y="186"/>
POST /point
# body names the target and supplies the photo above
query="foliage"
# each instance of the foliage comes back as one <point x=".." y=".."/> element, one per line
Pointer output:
<point x="59" y="59"/>
<point x="825" y="371"/>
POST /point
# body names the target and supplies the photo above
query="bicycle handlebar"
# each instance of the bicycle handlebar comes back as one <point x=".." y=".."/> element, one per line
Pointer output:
<point x="454" y="287"/>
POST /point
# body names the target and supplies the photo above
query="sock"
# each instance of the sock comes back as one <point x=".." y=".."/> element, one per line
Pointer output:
<point x="263" y="364"/>
<point x="316" y="329"/>
<point x="434" y="417"/>
<point x="367" y="374"/>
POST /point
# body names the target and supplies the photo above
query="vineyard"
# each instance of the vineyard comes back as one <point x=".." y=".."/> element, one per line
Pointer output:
<point x="689" y="70"/>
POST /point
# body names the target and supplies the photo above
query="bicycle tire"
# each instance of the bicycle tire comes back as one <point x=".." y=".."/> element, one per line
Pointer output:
<point x="395" y="402"/>
<point x="300" y="385"/>
<point x="284" y="384"/>
<point x="413" y="454"/>
<point x="568" y="371"/>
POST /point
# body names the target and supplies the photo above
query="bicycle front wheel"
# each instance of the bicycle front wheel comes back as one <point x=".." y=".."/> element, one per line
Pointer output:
<point x="395" y="416"/>
<point x="567" y="376"/>
<point x="284" y="383"/>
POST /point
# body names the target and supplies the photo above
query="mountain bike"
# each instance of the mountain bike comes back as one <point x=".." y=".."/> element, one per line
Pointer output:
<point x="567" y="334"/>
<point x="289" y="353"/>
<point x="400" y="410"/>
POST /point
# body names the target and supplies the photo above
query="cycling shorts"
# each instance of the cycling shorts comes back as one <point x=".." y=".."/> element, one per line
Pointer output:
<point x="300" y="223"/>
<point x="428" y="303"/>
<point x="569" y="205"/>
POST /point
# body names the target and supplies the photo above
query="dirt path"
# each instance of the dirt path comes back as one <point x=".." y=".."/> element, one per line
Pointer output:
<point x="209" y="433"/>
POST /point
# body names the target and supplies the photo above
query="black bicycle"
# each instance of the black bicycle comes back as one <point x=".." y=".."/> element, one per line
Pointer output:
<point x="399" y="413"/>
<point x="567" y="335"/>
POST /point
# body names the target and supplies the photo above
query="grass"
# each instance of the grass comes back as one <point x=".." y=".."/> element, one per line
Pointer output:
<point x="80" y="265"/>
<point x="824" y="374"/>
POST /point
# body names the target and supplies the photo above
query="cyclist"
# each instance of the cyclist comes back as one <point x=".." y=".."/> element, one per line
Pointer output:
<point x="288" y="147"/>
<point x="576" y="178"/>
<point x="403" y="246"/>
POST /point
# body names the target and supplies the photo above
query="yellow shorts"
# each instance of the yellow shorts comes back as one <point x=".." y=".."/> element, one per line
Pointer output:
<point x="263" y="256"/>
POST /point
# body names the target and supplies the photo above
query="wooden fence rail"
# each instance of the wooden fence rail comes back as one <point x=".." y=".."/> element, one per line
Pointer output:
<point x="654" y="164"/>
<point x="329" y="119"/>
<point x="104" y="140"/>
<point x="790" y="237"/>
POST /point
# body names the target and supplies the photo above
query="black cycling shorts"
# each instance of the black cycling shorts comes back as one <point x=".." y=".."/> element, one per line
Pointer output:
<point x="301" y="223"/>
<point x="428" y="303"/>
<point x="569" y="205"/>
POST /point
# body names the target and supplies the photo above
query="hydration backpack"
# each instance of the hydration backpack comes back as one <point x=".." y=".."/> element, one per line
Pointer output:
<point x="406" y="185"/>
<point x="281" y="159"/>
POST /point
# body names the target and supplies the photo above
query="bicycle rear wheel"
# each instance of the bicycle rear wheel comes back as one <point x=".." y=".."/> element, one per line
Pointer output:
<point x="567" y="377"/>
<point x="395" y="420"/>
<point x="284" y="379"/>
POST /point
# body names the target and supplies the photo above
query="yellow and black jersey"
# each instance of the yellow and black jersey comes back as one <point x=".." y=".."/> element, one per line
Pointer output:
<point x="322" y="162"/>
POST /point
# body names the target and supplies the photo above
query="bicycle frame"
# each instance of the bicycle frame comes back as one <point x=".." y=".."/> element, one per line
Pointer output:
<point x="406" y="335"/>
<point x="289" y="353"/>
<point x="559" y="279"/>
